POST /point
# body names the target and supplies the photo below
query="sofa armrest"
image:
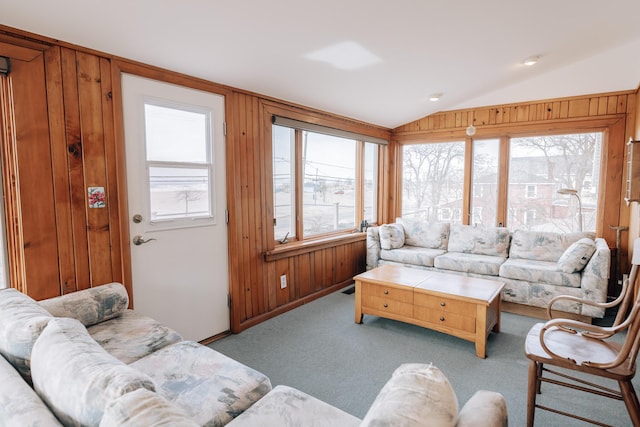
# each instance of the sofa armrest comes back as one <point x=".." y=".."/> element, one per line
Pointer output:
<point x="595" y="278"/>
<point x="484" y="409"/>
<point x="90" y="306"/>
<point x="373" y="247"/>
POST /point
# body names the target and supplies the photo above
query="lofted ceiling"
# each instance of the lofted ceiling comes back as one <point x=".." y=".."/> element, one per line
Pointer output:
<point x="377" y="61"/>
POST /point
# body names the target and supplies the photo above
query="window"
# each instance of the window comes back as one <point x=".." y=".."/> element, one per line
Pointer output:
<point x="484" y="176"/>
<point x="317" y="189"/>
<point x="433" y="179"/>
<point x="532" y="191"/>
<point x="512" y="181"/>
<point x="179" y="165"/>
<point x="539" y="166"/>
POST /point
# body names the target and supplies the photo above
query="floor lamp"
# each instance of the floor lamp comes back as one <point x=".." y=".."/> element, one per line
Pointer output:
<point x="572" y="192"/>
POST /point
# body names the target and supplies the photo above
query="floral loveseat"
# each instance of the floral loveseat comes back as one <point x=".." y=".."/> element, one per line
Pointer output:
<point x="535" y="266"/>
<point x="84" y="359"/>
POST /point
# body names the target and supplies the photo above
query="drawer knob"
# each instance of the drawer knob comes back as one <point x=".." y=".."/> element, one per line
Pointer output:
<point x="386" y="292"/>
<point x="386" y="305"/>
<point x="442" y="318"/>
<point x="442" y="304"/>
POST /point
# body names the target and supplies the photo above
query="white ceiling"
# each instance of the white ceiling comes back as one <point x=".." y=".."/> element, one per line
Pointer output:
<point x="389" y="56"/>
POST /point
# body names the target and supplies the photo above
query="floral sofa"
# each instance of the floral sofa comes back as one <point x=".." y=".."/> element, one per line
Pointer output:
<point x="84" y="359"/>
<point x="535" y="266"/>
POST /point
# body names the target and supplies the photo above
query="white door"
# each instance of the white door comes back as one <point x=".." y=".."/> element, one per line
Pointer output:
<point x="175" y="157"/>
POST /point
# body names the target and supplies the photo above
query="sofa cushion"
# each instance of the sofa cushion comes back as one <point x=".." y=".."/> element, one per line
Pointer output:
<point x="543" y="245"/>
<point x="287" y="407"/>
<point x="432" y="235"/>
<point x="210" y="387"/>
<point x="479" y="240"/>
<point x="577" y="255"/>
<point x="414" y="255"/>
<point x="132" y="336"/>
<point x="415" y="393"/>
<point x="20" y="406"/>
<point x="75" y="376"/>
<point x="90" y="306"/>
<point x="21" y="322"/>
<point x="470" y="263"/>
<point x="538" y="272"/>
<point x="142" y="407"/>
<point x="391" y="236"/>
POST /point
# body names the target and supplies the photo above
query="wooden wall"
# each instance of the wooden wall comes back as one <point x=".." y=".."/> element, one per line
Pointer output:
<point x="634" y="209"/>
<point x="57" y="142"/>
<point x="312" y="269"/>
<point x="613" y="113"/>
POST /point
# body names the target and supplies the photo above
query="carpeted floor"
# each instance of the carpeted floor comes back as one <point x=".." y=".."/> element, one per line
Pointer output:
<point x="317" y="348"/>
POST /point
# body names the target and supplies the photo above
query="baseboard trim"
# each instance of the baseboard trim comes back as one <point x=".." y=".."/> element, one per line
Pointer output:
<point x="541" y="313"/>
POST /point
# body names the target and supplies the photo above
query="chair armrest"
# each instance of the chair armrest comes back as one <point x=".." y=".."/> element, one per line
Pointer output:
<point x="373" y="247"/>
<point x="484" y="409"/>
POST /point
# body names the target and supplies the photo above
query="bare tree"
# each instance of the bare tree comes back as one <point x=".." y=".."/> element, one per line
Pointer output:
<point x="188" y="196"/>
<point x="569" y="157"/>
<point x="428" y="174"/>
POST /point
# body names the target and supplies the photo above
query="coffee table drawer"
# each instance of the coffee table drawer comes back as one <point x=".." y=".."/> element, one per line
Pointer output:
<point x="448" y="305"/>
<point x="440" y="318"/>
<point x="388" y="292"/>
<point x="387" y="305"/>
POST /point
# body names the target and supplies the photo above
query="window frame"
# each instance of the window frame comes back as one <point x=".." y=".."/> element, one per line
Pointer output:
<point x="208" y="165"/>
<point x="368" y="135"/>
<point x="612" y="130"/>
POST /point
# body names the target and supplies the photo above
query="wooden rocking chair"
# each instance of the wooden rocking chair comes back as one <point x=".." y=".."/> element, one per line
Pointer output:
<point x="576" y="346"/>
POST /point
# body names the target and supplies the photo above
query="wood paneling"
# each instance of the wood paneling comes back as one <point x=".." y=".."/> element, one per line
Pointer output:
<point x="61" y="141"/>
<point x="590" y="106"/>
<point x="311" y="270"/>
<point x="33" y="182"/>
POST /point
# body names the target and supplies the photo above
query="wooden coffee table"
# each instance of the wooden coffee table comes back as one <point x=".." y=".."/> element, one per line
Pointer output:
<point x="465" y="307"/>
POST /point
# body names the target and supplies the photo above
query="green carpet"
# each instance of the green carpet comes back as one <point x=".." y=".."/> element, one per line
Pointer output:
<point x="317" y="348"/>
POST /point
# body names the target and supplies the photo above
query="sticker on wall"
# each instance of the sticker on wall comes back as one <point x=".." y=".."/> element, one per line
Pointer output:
<point x="96" y="197"/>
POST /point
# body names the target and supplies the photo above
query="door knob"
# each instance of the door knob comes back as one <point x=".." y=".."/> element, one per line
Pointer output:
<point x="137" y="218"/>
<point x="139" y="240"/>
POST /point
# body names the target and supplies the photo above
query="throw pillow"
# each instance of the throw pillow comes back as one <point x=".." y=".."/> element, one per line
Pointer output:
<point x="577" y="255"/>
<point x="76" y="377"/>
<point x="391" y="236"/>
<point x="416" y="392"/>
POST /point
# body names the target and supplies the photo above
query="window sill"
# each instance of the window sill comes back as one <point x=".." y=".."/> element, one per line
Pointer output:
<point x="299" y="248"/>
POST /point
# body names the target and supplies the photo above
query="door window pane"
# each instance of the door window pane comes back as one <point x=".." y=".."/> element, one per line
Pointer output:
<point x="484" y="200"/>
<point x="178" y="193"/>
<point x="433" y="180"/>
<point x="539" y="167"/>
<point x="329" y="178"/>
<point x="176" y="135"/>
<point x="284" y="191"/>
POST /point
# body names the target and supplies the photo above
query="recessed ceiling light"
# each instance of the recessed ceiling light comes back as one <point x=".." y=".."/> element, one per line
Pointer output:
<point x="435" y="97"/>
<point x="530" y="61"/>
